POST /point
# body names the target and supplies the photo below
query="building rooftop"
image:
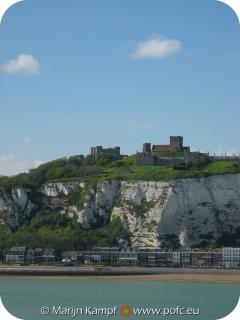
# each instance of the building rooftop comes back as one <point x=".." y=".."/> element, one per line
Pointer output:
<point x="161" y="148"/>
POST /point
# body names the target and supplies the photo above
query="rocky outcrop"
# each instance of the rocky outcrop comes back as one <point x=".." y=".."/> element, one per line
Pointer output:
<point x="193" y="210"/>
<point x="15" y="206"/>
<point x="97" y="204"/>
<point x="140" y="207"/>
<point x="55" y="189"/>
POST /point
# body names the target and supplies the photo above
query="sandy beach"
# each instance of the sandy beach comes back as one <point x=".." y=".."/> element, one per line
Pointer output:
<point x="180" y="277"/>
<point x="172" y="277"/>
<point x="123" y="273"/>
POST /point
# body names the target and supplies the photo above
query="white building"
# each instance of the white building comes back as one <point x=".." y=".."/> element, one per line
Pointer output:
<point x="16" y="255"/>
<point x="128" y="255"/>
<point x="176" y="257"/>
<point x="231" y="257"/>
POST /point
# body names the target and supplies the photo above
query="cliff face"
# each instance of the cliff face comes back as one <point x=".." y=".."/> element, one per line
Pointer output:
<point x="15" y="206"/>
<point x="192" y="209"/>
<point x="202" y="209"/>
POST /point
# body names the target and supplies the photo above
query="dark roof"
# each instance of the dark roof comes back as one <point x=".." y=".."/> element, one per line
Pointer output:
<point x="161" y="148"/>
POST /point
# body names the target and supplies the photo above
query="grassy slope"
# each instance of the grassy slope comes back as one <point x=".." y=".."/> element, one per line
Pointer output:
<point x="127" y="169"/>
<point x="130" y="171"/>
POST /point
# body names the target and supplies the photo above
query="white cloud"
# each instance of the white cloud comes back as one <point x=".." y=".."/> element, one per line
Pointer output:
<point x="140" y="126"/>
<point x="11" y="165"/>
<point x="156" y="48"/>
<point x="23" y="64"/>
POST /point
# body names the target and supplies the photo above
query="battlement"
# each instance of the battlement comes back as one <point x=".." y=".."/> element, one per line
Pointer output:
<point x="95" y="152"/>
<point x="224" y="158"/>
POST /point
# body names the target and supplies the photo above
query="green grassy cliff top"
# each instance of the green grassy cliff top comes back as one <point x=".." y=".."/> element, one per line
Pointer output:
<point x="105" y="168"/>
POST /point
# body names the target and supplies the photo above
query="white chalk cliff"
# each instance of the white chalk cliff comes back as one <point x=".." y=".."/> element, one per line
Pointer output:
<point x="192" y="209"/>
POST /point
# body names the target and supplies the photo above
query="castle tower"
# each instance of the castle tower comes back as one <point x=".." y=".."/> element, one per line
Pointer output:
<point x="176" y="143"/>
<point x="117" y="151"/>
<point x="92" y="152"/>
<point x="96" y="151"/>
<point x="147" y="147"/>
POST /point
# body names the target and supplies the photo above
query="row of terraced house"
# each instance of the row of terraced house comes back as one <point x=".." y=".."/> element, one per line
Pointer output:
<point x="156" y="257"/>
<point x="24" y="256"/>
<point x="115" y="256"/>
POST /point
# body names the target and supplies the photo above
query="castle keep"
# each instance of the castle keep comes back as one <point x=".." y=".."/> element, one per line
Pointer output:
<point x="176" y="145"/>
<point x="173" y="154"/>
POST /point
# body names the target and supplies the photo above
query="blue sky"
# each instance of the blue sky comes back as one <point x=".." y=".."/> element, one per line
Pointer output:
<point x="77" y="73"/>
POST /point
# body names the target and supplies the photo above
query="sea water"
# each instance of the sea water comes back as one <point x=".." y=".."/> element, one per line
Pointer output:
<point x="68" y="298"/>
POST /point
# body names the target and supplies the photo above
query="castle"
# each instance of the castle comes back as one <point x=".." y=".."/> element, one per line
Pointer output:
<point x="176" y="145"/>
<point x="173" y="154"/>
<point x="99" y="150"/>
